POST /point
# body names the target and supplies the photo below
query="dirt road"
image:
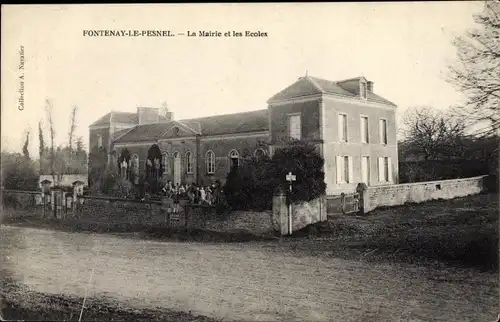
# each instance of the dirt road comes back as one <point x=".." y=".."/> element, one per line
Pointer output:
<point x="242" y="282"/>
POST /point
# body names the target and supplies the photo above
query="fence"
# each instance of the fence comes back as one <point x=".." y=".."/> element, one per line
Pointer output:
<point x="344" y="203"/>
<point x="27" y="202"/>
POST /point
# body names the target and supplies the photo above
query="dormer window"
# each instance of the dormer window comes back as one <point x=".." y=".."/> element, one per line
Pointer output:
<point x="362" y="90"/>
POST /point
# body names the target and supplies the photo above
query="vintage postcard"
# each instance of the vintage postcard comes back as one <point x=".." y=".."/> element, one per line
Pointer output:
<point x="250" y="162"/>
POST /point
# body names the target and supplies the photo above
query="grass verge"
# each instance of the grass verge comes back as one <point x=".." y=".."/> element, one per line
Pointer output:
<point x="17" y="302"/>
<point x="462" y="231"/>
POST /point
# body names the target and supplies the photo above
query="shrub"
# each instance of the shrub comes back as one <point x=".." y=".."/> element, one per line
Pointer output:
<point x="18" y="172"/>
<point x="251" y="185"/>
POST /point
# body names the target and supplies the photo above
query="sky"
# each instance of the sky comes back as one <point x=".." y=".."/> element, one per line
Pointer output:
<point x="403" y="47"/>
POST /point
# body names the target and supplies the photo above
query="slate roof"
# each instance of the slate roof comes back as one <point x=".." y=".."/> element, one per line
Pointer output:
<point x="231" y="123"/>
<point x="313" y="85"/>
<point x="121" y="117"/>
<point x="117" y="117"/>
<point x="253" y="121"/>
<point x="145" y="132"/>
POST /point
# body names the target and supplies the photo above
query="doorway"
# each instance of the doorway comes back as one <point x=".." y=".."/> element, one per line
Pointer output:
<point x="177" y="168"/>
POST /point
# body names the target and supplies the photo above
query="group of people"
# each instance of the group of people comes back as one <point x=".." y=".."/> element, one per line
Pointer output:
<point x="197" y="194"/>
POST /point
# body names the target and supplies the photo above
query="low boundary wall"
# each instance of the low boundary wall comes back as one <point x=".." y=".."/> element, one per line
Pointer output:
<point x="400" y="194"/>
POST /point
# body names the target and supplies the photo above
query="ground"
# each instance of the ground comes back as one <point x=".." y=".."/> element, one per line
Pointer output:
<point x="349" y="268"/>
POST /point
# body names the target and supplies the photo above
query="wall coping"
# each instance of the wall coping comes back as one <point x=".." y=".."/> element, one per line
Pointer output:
<point x="33" y="192"/>
<point x="427" y="182"/>
<point x="115" y="199"/>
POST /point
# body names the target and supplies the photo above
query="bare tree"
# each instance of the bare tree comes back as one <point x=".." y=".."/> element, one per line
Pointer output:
<point x="477" y="71"/>
<point x="71" y="133"/>
<point x="49" y="111"/>
<point x="433" y="133"/>
<point x="41" y="145"/>
<point x="26" y="152"/>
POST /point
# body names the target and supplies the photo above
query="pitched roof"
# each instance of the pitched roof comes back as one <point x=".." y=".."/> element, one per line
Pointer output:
<point x="145" y="132"/>
<point x="313" y="85"/>
<point x="117" y="117"/>
<point x="122" y="118"/>
<point x="231" y="123"/>
<point x="213" y="125"/>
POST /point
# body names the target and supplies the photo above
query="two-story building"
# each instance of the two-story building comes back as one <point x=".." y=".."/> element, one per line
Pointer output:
<point x="353" y="128"/>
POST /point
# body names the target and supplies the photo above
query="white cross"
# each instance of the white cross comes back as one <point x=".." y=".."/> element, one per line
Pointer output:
<point x="290" y="177"/>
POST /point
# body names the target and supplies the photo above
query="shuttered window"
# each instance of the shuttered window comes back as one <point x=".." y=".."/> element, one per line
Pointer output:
<point x="294" y="126"/>
<point x="342" y="127"/>
<point x="364" y="129"/>
<point x="384" y="169"/>
<point x="344" y="169"/>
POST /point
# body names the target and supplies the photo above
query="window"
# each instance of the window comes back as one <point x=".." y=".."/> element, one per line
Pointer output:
<point x="189" y="162"/>
<point x="234" y="158"/>
<point x="176" y="131"/>
<point x="344" y="169"/>
<point x="343" y="127"/>
<point x="294" y="126"/>
<point x="362" y="89"/>
<point x="210" y="162"/>
<point x="166" y="164"/>
<point x="99" y="141"/>
<point x="365" y="170"/>
<point x="124" y="173"/>
<point x="134" y="168"/>
<point x="259" y="154"/>
<point x="384" y="169"/>
<point x="383" y="131"/>
<point x="364" y="129"/>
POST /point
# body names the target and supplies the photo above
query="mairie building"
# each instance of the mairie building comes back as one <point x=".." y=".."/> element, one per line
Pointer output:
<point x="353" y="128"/>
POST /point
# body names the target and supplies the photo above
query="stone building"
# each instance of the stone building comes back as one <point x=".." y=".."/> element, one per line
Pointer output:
<point x="353" y="128"/>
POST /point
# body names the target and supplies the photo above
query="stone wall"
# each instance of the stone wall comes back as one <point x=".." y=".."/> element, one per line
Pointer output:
<point x="249" y="221"/>
<point x="394" y="195"/>
<point x="303" y="213"/>
<point x="164" y="213"/>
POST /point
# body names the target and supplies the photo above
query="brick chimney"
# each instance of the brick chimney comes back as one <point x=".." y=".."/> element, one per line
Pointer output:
<point x="165" y="114"/>
<point x="148" y="115"/>
<point x="369" y="86"/>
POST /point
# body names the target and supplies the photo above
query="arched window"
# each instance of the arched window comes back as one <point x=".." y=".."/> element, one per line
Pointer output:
<point x="124" y="164"/>
<point x="166" y="164"/>
<point x="177" y="168"/>
<point x="134" y="168"/>
<point x="189" y="162"/>
<point x="259" y="154"/>
<point x="210" y="162"/>
<point x="234" y="158"/>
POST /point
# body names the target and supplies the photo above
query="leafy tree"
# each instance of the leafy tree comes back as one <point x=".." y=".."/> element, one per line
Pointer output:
<point x="251" y="185"/>
<point x="477" y="71"/>
<point x="302" y="159"/>
<point x="18" y="172"/>
<point x="97" y="162"/>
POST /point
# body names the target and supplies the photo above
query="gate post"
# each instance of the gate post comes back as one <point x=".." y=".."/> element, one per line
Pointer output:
<point x="342" y="203"/>
<point x="280" y="212"/>
<point x="362" y="190"/>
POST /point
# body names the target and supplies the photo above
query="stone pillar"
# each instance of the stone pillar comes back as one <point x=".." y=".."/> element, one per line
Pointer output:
<point x="280" y="212"/>
<point x="362" y="190"/>
<point x="322" y="208"/>
<point x="77" y="193"/>
<point x="52" y="199"/>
